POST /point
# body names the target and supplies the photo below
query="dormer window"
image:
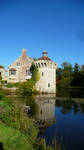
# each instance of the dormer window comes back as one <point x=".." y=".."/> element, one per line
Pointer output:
<point x="18" y="63"/>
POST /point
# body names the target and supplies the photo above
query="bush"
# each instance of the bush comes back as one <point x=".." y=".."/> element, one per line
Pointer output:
<point x="1" y="94"/>
<point x="12" y="85"/>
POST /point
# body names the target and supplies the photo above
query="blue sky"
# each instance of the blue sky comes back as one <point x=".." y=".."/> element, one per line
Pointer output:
<point x="53" y="25"/>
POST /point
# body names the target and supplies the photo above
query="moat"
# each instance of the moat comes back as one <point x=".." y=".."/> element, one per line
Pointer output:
<point x="61" y="119"/>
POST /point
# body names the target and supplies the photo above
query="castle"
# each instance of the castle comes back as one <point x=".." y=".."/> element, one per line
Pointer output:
<point x="20" y="71"/>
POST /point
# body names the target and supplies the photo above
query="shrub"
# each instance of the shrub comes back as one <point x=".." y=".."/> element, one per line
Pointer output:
<point x="1" y="94"/>
<point x="11" y="85"/>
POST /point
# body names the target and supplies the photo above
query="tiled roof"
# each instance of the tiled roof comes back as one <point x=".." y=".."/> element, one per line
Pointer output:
<point x="45" y="58"/>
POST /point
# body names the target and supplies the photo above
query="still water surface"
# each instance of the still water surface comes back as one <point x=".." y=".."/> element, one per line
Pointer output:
<point x="61" y="118"/>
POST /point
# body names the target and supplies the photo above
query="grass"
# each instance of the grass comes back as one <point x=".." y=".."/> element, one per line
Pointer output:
<point x="17" y="130"/>
<point x="13" y="139"/>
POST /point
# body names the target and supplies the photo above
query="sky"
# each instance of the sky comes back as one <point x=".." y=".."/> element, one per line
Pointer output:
<point x="56" y="26"/>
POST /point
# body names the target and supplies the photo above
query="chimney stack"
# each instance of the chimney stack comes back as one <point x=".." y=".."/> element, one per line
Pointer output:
<point x="24" y="52"/>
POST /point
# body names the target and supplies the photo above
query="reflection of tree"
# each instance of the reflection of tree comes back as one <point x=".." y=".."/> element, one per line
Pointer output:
<point x="65" y="111"/>
<point x="82" y="108"/>
<point x="58" y="103"/>
<point x="68" y="105"/>
<point x="75" y="108"/>
<point x="29" y="101"/>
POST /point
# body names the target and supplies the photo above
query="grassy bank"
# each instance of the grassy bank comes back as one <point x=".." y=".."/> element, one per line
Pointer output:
<point x="12" y="113"/>
<point x="13" y="139"/>
<point x="17" y="130"/>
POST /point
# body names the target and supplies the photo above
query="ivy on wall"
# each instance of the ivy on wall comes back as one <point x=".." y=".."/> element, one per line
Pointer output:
<point x="28" y="86"/>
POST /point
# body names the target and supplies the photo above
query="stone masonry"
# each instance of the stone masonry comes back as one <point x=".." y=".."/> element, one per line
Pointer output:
<point x="47" y="71"/>
<point x="2" y="73"/>
<point x="19" y="71"/>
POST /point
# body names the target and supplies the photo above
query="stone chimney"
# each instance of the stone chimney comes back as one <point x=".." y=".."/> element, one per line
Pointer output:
<point x="24" y="52"/>
<point x="45" y="53"/>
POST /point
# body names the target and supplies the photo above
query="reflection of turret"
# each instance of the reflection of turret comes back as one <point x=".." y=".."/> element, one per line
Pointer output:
<point x="46" y="112"/>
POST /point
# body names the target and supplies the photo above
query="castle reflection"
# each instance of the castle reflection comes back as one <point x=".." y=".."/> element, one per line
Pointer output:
<point x="46" y="110"/>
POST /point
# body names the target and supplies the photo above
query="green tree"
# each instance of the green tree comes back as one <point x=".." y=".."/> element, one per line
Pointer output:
<point x="2" y="67"/>
<point x="67" y="66"/>
<point x="82" y="68"/>
<point x="65" y="78"/>
<point x="76" y="68"/>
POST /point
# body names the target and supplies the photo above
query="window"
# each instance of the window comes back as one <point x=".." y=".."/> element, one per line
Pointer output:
<point x="18" y="63"/>
<point x="42" y="64"/>
<point x="28" y="72"/>
<point x="12" y="72"/>
<point x="45" y="64"/>
<point x="42" y="73"/>
<point x="48" y="84"/>
<point x="39" y="64"/>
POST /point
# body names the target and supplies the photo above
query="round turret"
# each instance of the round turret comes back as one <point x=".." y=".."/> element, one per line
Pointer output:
<point x="47" y="71"/>
<point x="45" y="61"/>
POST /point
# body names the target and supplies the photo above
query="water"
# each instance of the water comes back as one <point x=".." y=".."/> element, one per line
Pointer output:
<point x="61" y="119"/>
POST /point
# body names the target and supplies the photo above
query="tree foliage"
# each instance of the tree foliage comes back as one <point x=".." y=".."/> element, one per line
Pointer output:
<point x="2" y="67"/>
<point x="70" y="79"/>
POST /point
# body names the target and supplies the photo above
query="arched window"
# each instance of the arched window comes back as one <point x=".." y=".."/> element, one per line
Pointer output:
<point x="42" y="64"/>
<point x="38" y="64"/>
<point x="48" y="84"/>
<point x="45" y="64"/>
<point x="42" y="74"/>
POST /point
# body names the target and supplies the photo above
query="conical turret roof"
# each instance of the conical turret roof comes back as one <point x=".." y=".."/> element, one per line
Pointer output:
<point x="45" y="57"/>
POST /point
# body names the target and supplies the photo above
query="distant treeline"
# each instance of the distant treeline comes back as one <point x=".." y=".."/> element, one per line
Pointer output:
<point x="70" y="80"/>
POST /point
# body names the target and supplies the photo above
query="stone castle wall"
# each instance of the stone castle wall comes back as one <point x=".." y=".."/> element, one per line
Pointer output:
<point x="47" y="81"/>
<point x="47" y="76"/>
